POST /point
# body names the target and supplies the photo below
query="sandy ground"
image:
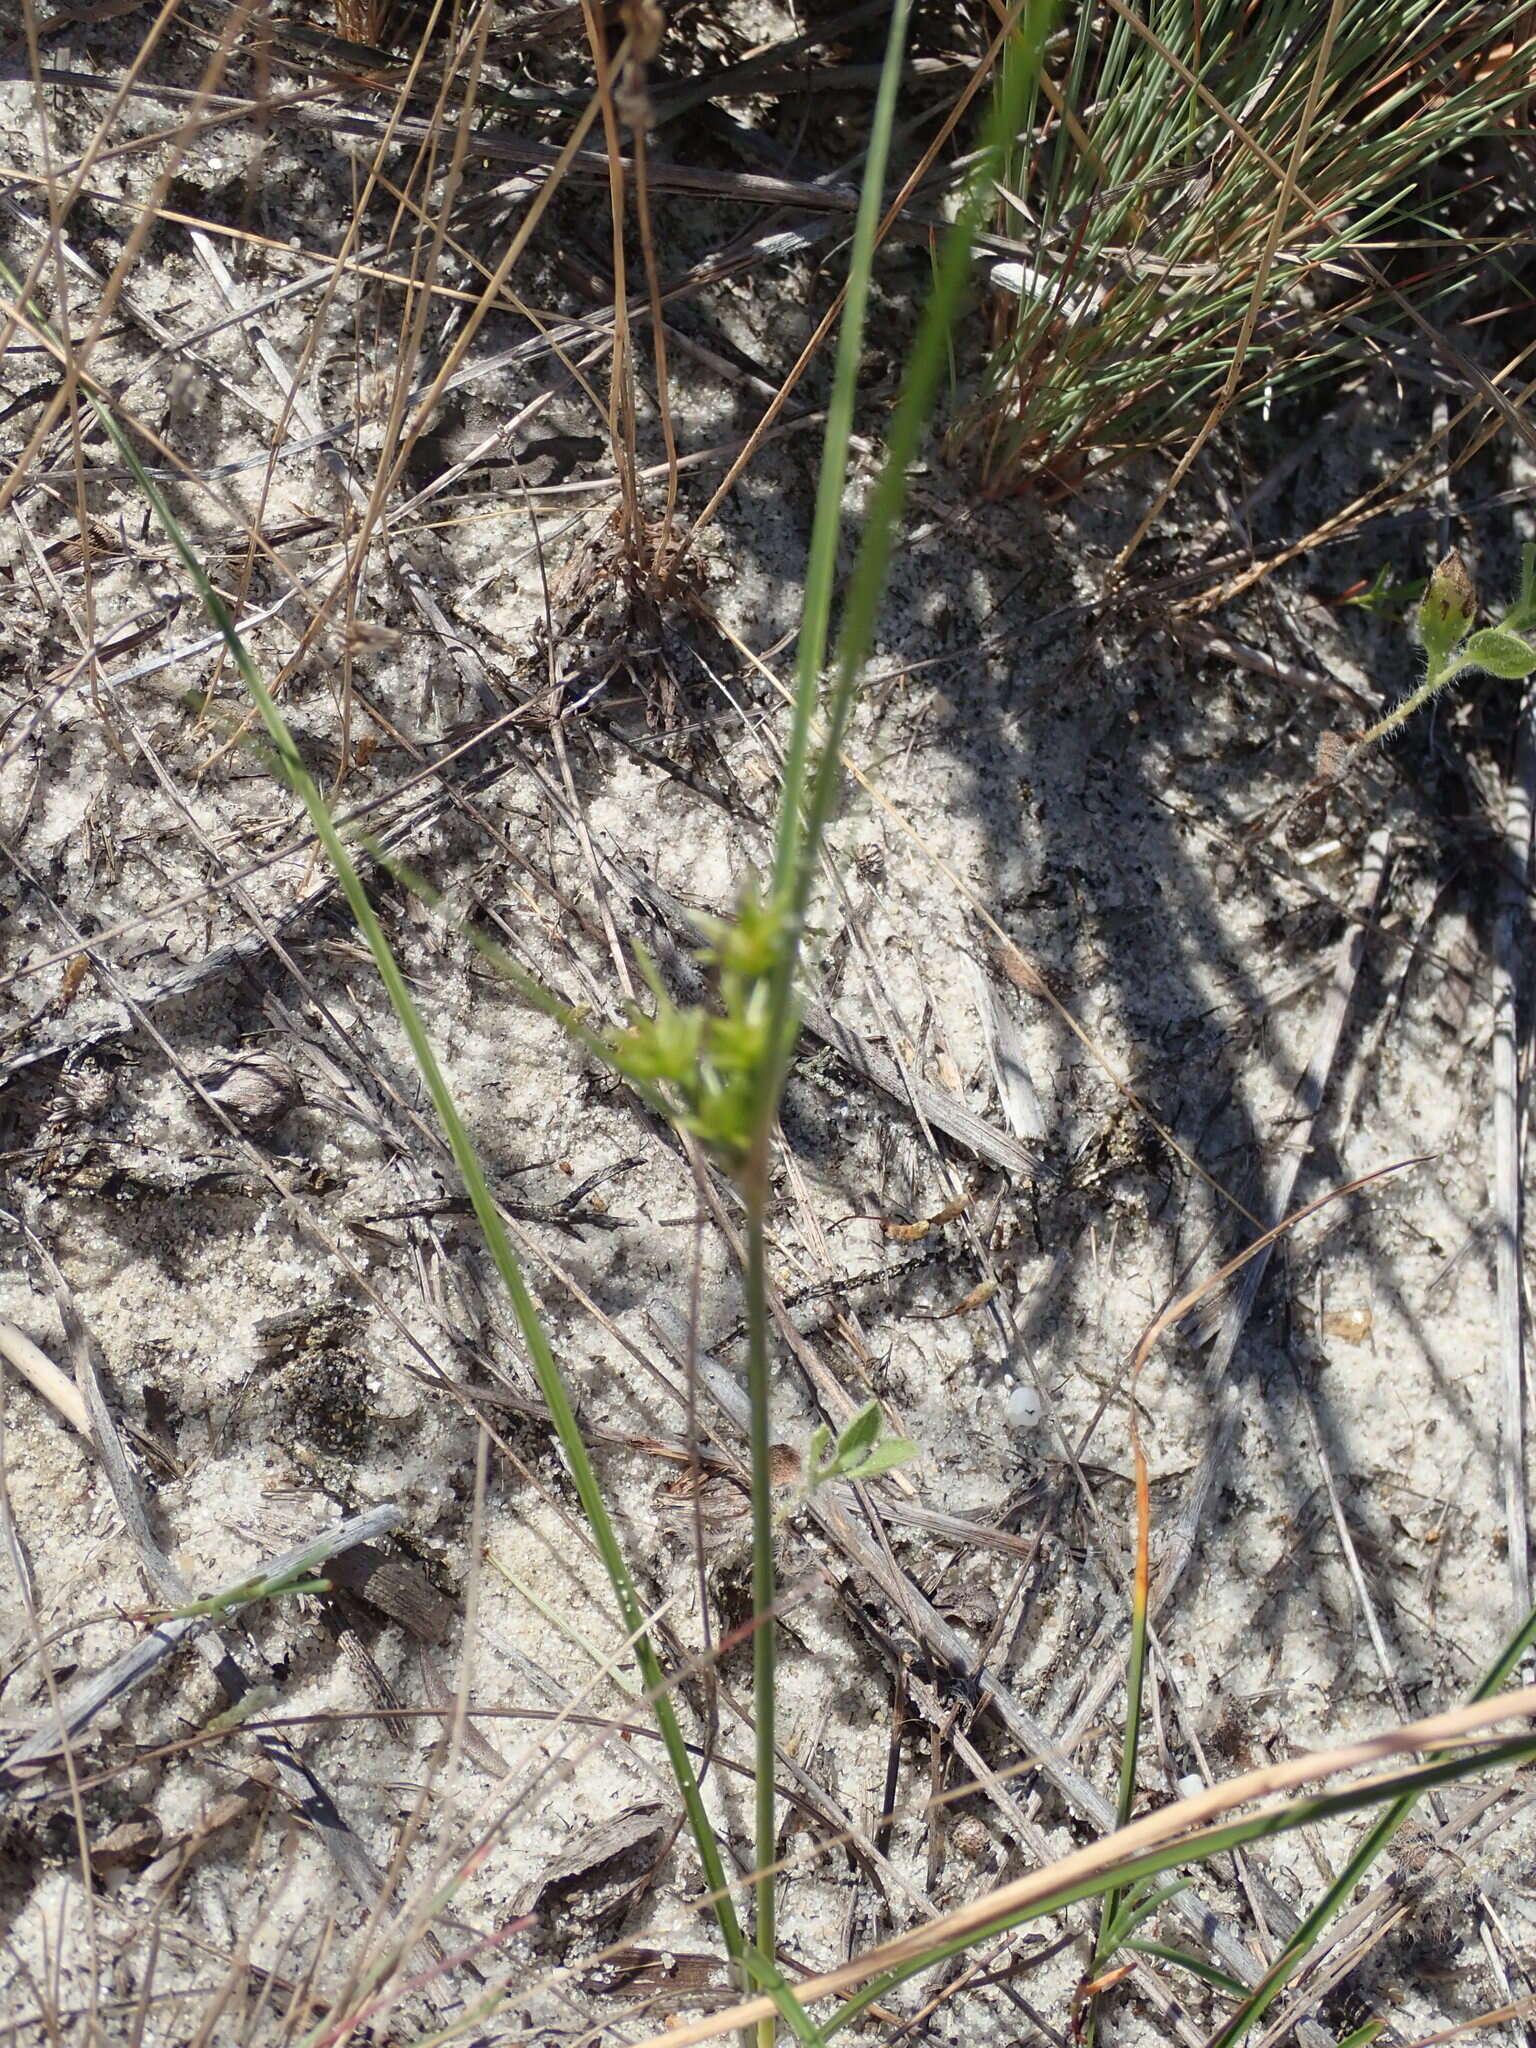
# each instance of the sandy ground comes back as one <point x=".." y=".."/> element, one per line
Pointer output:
<point x="295" y="1321"/>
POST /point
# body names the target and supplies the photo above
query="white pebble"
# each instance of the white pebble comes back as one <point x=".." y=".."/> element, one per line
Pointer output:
<point x="1025" y="1406"/>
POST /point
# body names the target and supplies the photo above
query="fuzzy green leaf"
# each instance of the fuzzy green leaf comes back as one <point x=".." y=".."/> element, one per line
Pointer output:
<point x="885" y="1457"/>
<point x="861" y="1435"/>
<point x="1501" y="653"/>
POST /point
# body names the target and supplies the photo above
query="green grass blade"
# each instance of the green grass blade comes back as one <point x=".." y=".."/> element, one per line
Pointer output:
<point x="1369" y="1850"/>
<point x="827" y="523"/>
<point x="790" y="857"/>
<point x="924" y="372"/>
<point x="1201" y="1848"/>
<point x="1197" y="1966"/>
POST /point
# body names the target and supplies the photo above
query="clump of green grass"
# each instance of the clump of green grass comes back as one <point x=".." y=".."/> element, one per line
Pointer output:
<point x="1209" y="218"/>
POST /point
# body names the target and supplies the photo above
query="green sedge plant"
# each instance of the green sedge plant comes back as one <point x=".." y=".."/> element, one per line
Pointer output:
<point x="718" y="1073"/>
<point x="730" y="1096"/>
<point x="289" y="765"/>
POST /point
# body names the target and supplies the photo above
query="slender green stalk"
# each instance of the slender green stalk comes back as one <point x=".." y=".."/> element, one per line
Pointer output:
<point x="795" y="857"/>
<point x="924" y="373"/>
<point x="764" y="1592"/>
<point x="246" y="1594"/>
<point x="804" y="816"/>
<point x="801" y="834"/>
<point x="827" y="523"/>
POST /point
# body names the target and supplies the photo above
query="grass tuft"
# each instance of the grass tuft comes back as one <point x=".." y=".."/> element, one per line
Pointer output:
<point x="1227" y="203"/>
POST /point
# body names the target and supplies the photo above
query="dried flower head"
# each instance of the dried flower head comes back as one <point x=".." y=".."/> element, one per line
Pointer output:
<point x="87" y="1090"/>
<point x="254" y="1089"/>
<point x="1448" y="607"/>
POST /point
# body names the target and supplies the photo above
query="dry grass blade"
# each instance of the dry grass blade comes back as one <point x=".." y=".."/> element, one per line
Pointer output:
<point x="39" y="1370"/>
<point x="1174" y="1824"/>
